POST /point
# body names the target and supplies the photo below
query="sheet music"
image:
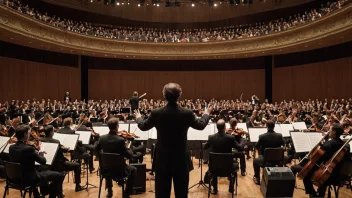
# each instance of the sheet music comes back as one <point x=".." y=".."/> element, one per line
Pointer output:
<point x="123" y="126"/>
<point x="153" y="133"/>
<point x="143" y="135"/>
<point x="84" y="136"/>
<point x="350" y="147"/>
<point x="7" y="149"/>
<point x="3" y="141"/>
<point x="67" y="140"/>
<point x="285" y="129"/>
<point x="255" y="132"/>
<point x="194" y="134"/>
<point x="50" y="150"/>
<point x="277" y="129"/>
<point x="300" y="141"/>
<point x="299" y="125"/>
<point x="102" y="130"/>
<point x="314" y="138"/>
<point x="242" y="126"/>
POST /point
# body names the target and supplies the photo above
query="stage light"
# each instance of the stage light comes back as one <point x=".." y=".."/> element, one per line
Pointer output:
<point x="139" y="5"/>
<point x="128" y="3"/>
<point x="215" y="4"/>
<point x="157" y="5"/>
<point x="123" y="3"/>
<point x="118" y="3"/>
<point x="153" y="4"/>
<point x="192" y="4"/>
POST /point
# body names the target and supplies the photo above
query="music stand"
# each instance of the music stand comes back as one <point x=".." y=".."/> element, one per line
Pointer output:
<point x="87" y="185"/>
<point x="201" y="182"/>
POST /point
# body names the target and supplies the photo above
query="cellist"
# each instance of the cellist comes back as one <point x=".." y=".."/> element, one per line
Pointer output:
<point x="330" y="147"/>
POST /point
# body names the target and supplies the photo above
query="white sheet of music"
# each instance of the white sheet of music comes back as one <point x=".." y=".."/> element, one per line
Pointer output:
<point x="143" y="135"/>
<point x="67" y="140"/>
<point x="3" y="141"/>
<point x="350" y="147"/>
<point x="285" y="129"/>
<point x="123" y="126"/>
<point x="153" y="134"/>
<point x="277" y="129"/>
<point x="242" y="126"/>
<point x="7" y="149"/>
<point x="300" y="141"/>
<point x="84" y="136"/>
<point x="314" y="138"/>
<point x="102" y="130"/>
<point x="227" y="125"/>
<point x="194" y="134"/>
<point x="254" y="133"/>
<point x="50" y="151"/>
<point x="299" y="125"/>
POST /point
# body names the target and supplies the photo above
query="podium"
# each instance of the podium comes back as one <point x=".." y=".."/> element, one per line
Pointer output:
<point x="277" y="182"/>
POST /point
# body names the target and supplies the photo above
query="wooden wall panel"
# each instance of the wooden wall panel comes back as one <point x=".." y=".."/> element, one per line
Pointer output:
<point x="22" y="80"/>
<point x="195" y="84"/>
<point x="329" y="79"/>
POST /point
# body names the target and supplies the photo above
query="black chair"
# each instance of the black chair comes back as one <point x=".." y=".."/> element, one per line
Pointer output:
<point x="344" y="179"/>
<point x="112" y="165"/>
<point x="273" y="157"/>
<point x="222" y="165"/>
<point x="15" y="179"/>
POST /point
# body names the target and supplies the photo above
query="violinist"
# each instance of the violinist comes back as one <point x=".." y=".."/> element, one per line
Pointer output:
<point x="112" y="143"/>
<point x="330" y="147"/>
<point x="316" y="125"/>
<point x="31" y="175"/>
<point x="61" y="163"/>
<point x="237" y="133"/>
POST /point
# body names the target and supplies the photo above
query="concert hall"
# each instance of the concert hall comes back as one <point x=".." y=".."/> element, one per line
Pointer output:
<point x="132" y="98"/>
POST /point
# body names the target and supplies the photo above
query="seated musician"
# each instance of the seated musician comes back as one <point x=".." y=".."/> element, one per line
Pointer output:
<point x="61" y="163"/>
<point x="221" y="142"/>
<point x="112" y="143"/>
<point x="27" y="156"/>
<point x="67" y="127"/>
<point x="242" y="142"/>
<point x="138" y="148"/>
<point x="316" y="124"/>
<point x="271" y="139"/>
<point x="330" y="147"/>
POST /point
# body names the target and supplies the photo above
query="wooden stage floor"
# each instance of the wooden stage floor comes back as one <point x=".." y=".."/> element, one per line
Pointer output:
<point x="246" y="186"/>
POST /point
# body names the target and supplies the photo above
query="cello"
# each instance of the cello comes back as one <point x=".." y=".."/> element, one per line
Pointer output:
<point x="325" y="170"/>
<point x="310" y="160"/>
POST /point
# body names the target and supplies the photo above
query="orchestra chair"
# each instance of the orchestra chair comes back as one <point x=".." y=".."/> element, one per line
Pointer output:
<point x="344" y="179"/>
<point x="15" y="179"/>
<point x="222" y="165"/>
<point x="112" y="164"/>
<point x="273" y="157"/>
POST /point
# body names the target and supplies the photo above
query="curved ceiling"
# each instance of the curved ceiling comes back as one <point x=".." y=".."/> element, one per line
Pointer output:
<point x="329" y="30"/>
<point x="201" y="12"/>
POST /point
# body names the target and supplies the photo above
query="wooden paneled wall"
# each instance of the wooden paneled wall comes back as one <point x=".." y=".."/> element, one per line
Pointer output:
<point x="22" y="80"/>
<point x="111" y="84"/>
<point x="329" y="79"/>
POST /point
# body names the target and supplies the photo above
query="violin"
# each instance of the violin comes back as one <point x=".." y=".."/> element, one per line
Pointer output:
<point x="235" y="132"/>
<point x="126" y="135"/>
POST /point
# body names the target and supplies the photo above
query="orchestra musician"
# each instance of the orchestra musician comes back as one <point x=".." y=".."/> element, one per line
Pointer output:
<point x="27" y="156"/>
<point x="271" y="139"/>
<point x="237" y="133"/>
<point x="330" y="147"/>
<point x="221" y="142"/>
<point x="134" y="101"/>
<point x="67" y="97"/>
<point x="172" y="158"/>
<point x="112" y="143"/>
<point x="61" y="163"/>
<point x="316" y="124"/>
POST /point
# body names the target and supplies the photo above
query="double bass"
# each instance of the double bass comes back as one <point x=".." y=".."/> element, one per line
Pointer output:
<point x="310" y="160"/>
<point x="325" y="170"/>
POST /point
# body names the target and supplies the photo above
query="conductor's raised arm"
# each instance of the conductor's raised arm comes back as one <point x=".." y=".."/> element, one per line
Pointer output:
<point x="201" y="123"/>
<point x="146" y="124"/>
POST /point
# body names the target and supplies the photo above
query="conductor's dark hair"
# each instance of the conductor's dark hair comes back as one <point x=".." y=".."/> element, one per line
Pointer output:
<point x="48" y="129"/>
<point x="21" y="130"/>
<point x="172" y="92"/>
<point x="270" y="124"/>
<point x="113" y="123"/>
<point x="135" y="93"/>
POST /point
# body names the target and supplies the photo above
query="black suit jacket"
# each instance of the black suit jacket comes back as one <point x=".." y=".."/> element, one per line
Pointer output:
<point x="66" y="130"/>
<point x="112" y="143"/>
<point x="27" y="156"/>
<point x="269" y="140"/>
<point x="221" y="142"/>
<point x="172" y="123"/>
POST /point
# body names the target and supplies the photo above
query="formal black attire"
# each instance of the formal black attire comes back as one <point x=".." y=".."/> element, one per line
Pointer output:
<point x="266" y="140"/>
<point x="61" y="163"/>
<point x="134" y="101"/>
<point x="330" y="147"/>
<point x="221" y="143"/>
<point x="27" y="156"/>
<point x="112" y="143"/>
<point x="172" y="159"/>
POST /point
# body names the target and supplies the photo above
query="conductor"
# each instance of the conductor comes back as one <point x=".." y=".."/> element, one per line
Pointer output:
<point x="172" y="161"/>
<point x="134" y="101"/>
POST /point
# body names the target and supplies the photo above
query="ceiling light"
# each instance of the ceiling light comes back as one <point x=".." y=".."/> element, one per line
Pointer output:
<point x="122" y="3"/>
<point x="153" y="4"/>
<point x="192" y="4"/>
<point x="157" y="5"/>
<point x="139" y="5"/>
<point x="128" y="3"/>
<point x="117" y="3"/>
<point x="215" y="5"/>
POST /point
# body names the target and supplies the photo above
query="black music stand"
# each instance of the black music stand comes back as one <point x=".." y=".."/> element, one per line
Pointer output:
<point x="87" y="185"/>
<point x="201" y="182"/>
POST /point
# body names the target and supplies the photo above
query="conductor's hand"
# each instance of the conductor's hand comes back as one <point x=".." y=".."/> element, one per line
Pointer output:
<point x="209" y="110"/>
<point x="137" y="114"/>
